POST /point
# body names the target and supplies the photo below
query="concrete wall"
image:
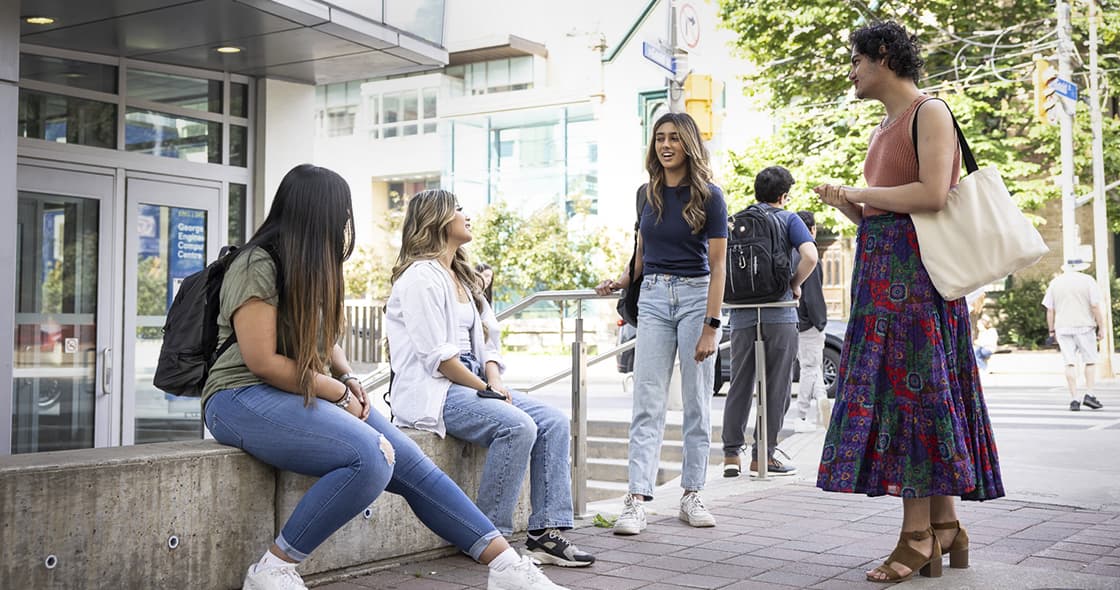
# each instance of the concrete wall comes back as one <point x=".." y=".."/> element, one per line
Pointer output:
<point x="106" y="515"/>
<point x="285" y="136"/>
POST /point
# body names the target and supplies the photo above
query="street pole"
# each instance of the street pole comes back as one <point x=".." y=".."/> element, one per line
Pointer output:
<point x="680" y="64"/>
<point x="1100" y="211"/>
<point x="1070" y="239"/>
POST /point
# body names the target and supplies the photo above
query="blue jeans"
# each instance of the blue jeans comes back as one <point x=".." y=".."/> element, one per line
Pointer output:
<point x="527" y="434"/>
<point x="326" y="441"/>
<point x="671" y="312"/>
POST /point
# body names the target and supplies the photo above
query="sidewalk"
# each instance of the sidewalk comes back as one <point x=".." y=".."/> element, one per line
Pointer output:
<point x="785" y="533"/>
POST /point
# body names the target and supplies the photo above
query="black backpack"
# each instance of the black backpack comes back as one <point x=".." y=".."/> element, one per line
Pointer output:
<point x="190" y="334"/>
<point x="758" y="256"/>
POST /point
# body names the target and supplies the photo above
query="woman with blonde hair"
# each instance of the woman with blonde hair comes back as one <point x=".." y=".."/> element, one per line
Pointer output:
<point x="283" y="392"/>
<point x="444" y="351"/>
<point x="681" y="249"/>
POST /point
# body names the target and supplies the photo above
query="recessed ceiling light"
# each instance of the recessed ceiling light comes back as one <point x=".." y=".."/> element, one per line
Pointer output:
<point x="228" y="49"/>
<point x="38" y="20"/>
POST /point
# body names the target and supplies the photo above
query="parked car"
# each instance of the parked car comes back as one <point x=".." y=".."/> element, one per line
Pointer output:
<point x="833" y="343"/>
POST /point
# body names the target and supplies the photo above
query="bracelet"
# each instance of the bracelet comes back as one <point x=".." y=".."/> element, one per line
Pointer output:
<point x="346" y="377"/>
<point x="344" y="401"/>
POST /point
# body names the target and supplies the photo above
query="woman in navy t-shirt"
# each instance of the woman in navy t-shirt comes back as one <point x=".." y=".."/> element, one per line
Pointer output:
<point x="681" y="252"/>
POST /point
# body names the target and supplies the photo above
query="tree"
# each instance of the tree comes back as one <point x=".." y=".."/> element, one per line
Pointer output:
<point x="369" y="268"/>
<point x="543" y="251"/>
<point x="978" y="59"/>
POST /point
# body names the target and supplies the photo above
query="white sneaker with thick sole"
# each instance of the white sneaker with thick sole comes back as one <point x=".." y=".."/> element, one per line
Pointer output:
<point x="284" y="577"/>
<point x="824" y="412"/>
<point x="523" y="576"/>
<point x="802" y="425"/>
<point x="633" y="518"/>
<point x="693" y="511"/>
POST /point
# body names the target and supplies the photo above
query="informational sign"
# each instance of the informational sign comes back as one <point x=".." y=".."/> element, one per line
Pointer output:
<point x="1065" y="88"/>
<point x="688" y="26"/>
<point x="186" y="247"/>
<point x="659" y="55"/>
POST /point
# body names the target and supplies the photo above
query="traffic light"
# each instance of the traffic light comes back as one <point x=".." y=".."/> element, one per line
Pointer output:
<point x="699" y="89"/>
<point x="1044" y="99"/>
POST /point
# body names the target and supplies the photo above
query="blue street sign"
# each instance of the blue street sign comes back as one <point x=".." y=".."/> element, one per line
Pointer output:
<point x="1065" y="88"/>
<point x="660" y="56"/>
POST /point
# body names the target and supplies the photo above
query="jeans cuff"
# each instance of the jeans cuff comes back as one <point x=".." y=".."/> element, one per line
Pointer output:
<point x="482" y="543"/>
<point x="288" y="550"/>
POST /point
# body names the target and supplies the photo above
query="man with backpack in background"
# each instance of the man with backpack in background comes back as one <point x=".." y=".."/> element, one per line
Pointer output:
<point x="764" y="226"/>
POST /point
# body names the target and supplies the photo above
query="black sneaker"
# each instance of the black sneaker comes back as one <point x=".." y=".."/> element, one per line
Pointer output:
<point x="1091" y="401"/>
<point x="551" y="547"/>
<point x="1075" y="406"/>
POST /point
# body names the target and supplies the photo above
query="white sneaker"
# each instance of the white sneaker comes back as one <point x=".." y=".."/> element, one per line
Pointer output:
<point x="523" y="576"/>
<point x="803" y="425"/>
<point x="633" y="518"/>
<point x="284" y="577"/>
<point x="693" y="511"/>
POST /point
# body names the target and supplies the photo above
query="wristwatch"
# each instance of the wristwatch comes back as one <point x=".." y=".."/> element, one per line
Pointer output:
<point x="346" y="377"/>
<point x="713" y="322"/>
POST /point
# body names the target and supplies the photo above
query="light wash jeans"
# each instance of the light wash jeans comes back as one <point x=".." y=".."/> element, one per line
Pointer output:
<point x="526" y="434"/>
<point x="326" y="441"/>
<point x="671" y="312"/>
<point x="810" y="356"/>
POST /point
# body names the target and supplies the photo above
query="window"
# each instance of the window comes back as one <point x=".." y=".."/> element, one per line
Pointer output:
<point x="238" y="99"/>
<point x="235" y="232"/>
<point x="169" y="136"/>
<point x="66" y="119"/>
<point x="68" y="72"/>
<point x="404" y="113"/>
<point x="488" y="77"/>
<point x="190" y="93"/>
<point x="336" y="112"/>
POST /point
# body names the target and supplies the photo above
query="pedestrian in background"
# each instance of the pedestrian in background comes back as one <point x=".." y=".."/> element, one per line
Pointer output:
<point x="445" y="350"/>
<point x="1073" y="314"/>
<point x="779" y="337"/>
<point x="909" y="417"/>
<point x="681" y="250"/>
<point x="812" y="317"/>
<point x="487" y="273"/>
<point x="283" y="393"/>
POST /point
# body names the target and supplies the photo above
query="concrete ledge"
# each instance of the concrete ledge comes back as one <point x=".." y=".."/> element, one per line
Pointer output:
<point x="107" y="515"/>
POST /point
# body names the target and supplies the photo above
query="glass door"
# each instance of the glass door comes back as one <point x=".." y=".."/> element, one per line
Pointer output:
<point x="171" y="232"/>
<point x="63" y="362"/>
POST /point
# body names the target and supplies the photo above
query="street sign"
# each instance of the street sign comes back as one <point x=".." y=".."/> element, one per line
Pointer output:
<point x="1065" y="88"/>
<point x="659" y="55"/>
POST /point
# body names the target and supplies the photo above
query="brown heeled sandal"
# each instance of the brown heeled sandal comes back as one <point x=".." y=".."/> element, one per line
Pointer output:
<point x="958" y="549"/>
<point x="926" y="565"/>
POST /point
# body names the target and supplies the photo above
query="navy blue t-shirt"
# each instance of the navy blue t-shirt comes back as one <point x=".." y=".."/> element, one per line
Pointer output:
<point x="669" y="246"/>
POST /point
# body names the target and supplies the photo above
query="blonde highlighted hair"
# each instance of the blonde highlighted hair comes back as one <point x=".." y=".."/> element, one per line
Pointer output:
<point x="697" y="177"/>
<point x="424" y="237"/>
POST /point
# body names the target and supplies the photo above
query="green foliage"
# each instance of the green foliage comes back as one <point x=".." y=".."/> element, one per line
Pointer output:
<point x="543" y="251"/>
<point x="369" y="268"/>
<point x="802" y="52"/>
<point x="1022" y="318"/>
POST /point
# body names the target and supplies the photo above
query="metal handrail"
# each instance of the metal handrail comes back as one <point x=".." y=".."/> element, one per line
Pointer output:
<point x="578" y="373"/>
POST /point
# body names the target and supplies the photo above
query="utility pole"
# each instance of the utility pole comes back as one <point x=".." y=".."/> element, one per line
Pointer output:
<point x="680" y="64"/>
<point x="1070" y="237"/>
<point x="1100" y="212"/>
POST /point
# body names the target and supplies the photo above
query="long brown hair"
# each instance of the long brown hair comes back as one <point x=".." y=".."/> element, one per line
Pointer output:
<point x="310" y="229"/>
<point x="424" y="237"/>
<point x="698" y="175"/>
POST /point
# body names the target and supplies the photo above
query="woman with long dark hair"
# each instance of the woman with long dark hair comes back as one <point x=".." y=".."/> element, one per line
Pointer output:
<point x="284" y="393"/>
<point x="681" y="250"/>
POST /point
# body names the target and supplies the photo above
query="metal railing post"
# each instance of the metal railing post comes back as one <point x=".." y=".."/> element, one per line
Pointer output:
<point x="579" y="418"/>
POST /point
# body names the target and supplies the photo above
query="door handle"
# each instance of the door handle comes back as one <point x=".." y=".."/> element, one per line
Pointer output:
<point x="107" y="370"/>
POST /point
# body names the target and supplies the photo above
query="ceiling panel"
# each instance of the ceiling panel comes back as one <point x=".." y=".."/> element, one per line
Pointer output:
<point x="337" y="69"/>
<point x="284" y="47"/>
<point x="68" y="13"/>
<point x="205" y="22"/>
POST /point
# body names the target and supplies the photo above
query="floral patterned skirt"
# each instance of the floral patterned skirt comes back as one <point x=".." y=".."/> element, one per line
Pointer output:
<point x="909" y="418"/>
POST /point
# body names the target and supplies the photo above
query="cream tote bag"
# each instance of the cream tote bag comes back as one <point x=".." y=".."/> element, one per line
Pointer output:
<point x="980" y="235"/>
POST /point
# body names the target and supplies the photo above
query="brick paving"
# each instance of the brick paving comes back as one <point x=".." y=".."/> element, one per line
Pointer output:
<point x="792" y="535"/>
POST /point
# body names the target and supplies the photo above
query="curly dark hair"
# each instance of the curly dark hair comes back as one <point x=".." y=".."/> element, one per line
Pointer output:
<point x="888" y="40"/>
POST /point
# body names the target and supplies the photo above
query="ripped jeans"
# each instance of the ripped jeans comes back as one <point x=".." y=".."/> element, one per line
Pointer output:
<point x="353" y="467"/>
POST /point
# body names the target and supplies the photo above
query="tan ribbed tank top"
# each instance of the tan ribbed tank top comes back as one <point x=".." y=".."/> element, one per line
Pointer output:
<point x="891" y="160"/>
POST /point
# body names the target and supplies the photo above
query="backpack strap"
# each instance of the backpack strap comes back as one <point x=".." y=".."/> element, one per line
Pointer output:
<point x="966" y="152"/>
<point x="639" y="205"/>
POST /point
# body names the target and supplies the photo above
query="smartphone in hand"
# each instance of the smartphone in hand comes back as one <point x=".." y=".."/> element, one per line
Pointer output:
<point x="490" y="393"/>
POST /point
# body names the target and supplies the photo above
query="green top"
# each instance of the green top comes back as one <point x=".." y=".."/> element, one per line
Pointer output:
<point x="251" y="275"/>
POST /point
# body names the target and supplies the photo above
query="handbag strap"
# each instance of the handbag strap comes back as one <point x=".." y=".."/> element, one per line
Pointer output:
<point x="966" y="152"/>
<point x="639" y="205"/>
